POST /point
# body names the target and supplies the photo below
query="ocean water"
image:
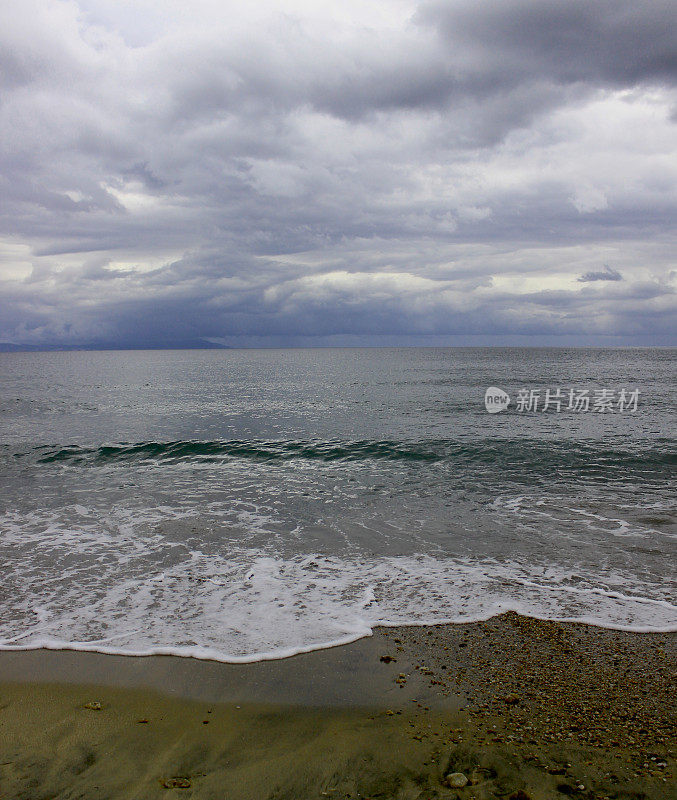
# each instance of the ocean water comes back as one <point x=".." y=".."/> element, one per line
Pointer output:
<point x="246" y="504"/>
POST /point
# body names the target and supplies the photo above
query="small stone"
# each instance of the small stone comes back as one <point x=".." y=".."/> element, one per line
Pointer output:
<point x="387" y="659"/>
<point x="177" y="783"/>
<point x="456" y="780"/>
<point x="142" y="721"/>
<point x="93" y="706"/>
<point x="520" y="794"/>
<point x="511" y="699"/>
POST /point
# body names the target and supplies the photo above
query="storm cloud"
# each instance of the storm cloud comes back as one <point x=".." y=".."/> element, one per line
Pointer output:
<point x="316" y="173"/>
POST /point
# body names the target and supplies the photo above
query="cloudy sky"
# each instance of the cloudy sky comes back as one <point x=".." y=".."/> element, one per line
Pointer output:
<point x="317" y="172"/>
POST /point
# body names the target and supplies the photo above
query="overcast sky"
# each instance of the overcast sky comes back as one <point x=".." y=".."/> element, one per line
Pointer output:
<point x="341" y="172"/>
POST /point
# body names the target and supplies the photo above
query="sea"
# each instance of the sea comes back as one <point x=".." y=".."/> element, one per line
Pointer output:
<point x="249" y="504"/>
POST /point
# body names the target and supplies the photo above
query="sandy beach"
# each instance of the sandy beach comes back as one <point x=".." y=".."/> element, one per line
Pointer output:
<point x="508" y="708"/>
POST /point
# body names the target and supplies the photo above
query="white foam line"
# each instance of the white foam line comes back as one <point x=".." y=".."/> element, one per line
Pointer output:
<point x="210" y="654"/>
<point x="200" y="653"/>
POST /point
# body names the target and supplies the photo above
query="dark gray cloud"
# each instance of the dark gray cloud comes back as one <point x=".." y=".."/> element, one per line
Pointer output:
<point x="607" y="274"/>
<point x="608" y="42"/>
<point x="301" y="173"/>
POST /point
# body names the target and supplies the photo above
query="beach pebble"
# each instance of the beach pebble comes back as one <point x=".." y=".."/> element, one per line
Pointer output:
<point x="93" y="706"/>
<point x="387" y="659"/>
<point x="177" y="783"/>
<point x="511" y="699"/>
<point x="456" y="780"/>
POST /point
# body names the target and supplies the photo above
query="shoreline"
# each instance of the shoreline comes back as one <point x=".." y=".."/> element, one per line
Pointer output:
<point x="198" y="653"/>
<point x="513" y="703"/>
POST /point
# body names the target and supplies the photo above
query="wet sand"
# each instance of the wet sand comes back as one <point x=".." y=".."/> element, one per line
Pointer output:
<point x="519" y="708"/>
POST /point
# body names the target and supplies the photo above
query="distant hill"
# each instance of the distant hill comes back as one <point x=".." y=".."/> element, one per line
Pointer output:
<point x="9" y="347"/>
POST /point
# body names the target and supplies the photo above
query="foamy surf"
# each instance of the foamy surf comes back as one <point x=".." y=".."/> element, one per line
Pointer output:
<point x="255" y="607"/>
